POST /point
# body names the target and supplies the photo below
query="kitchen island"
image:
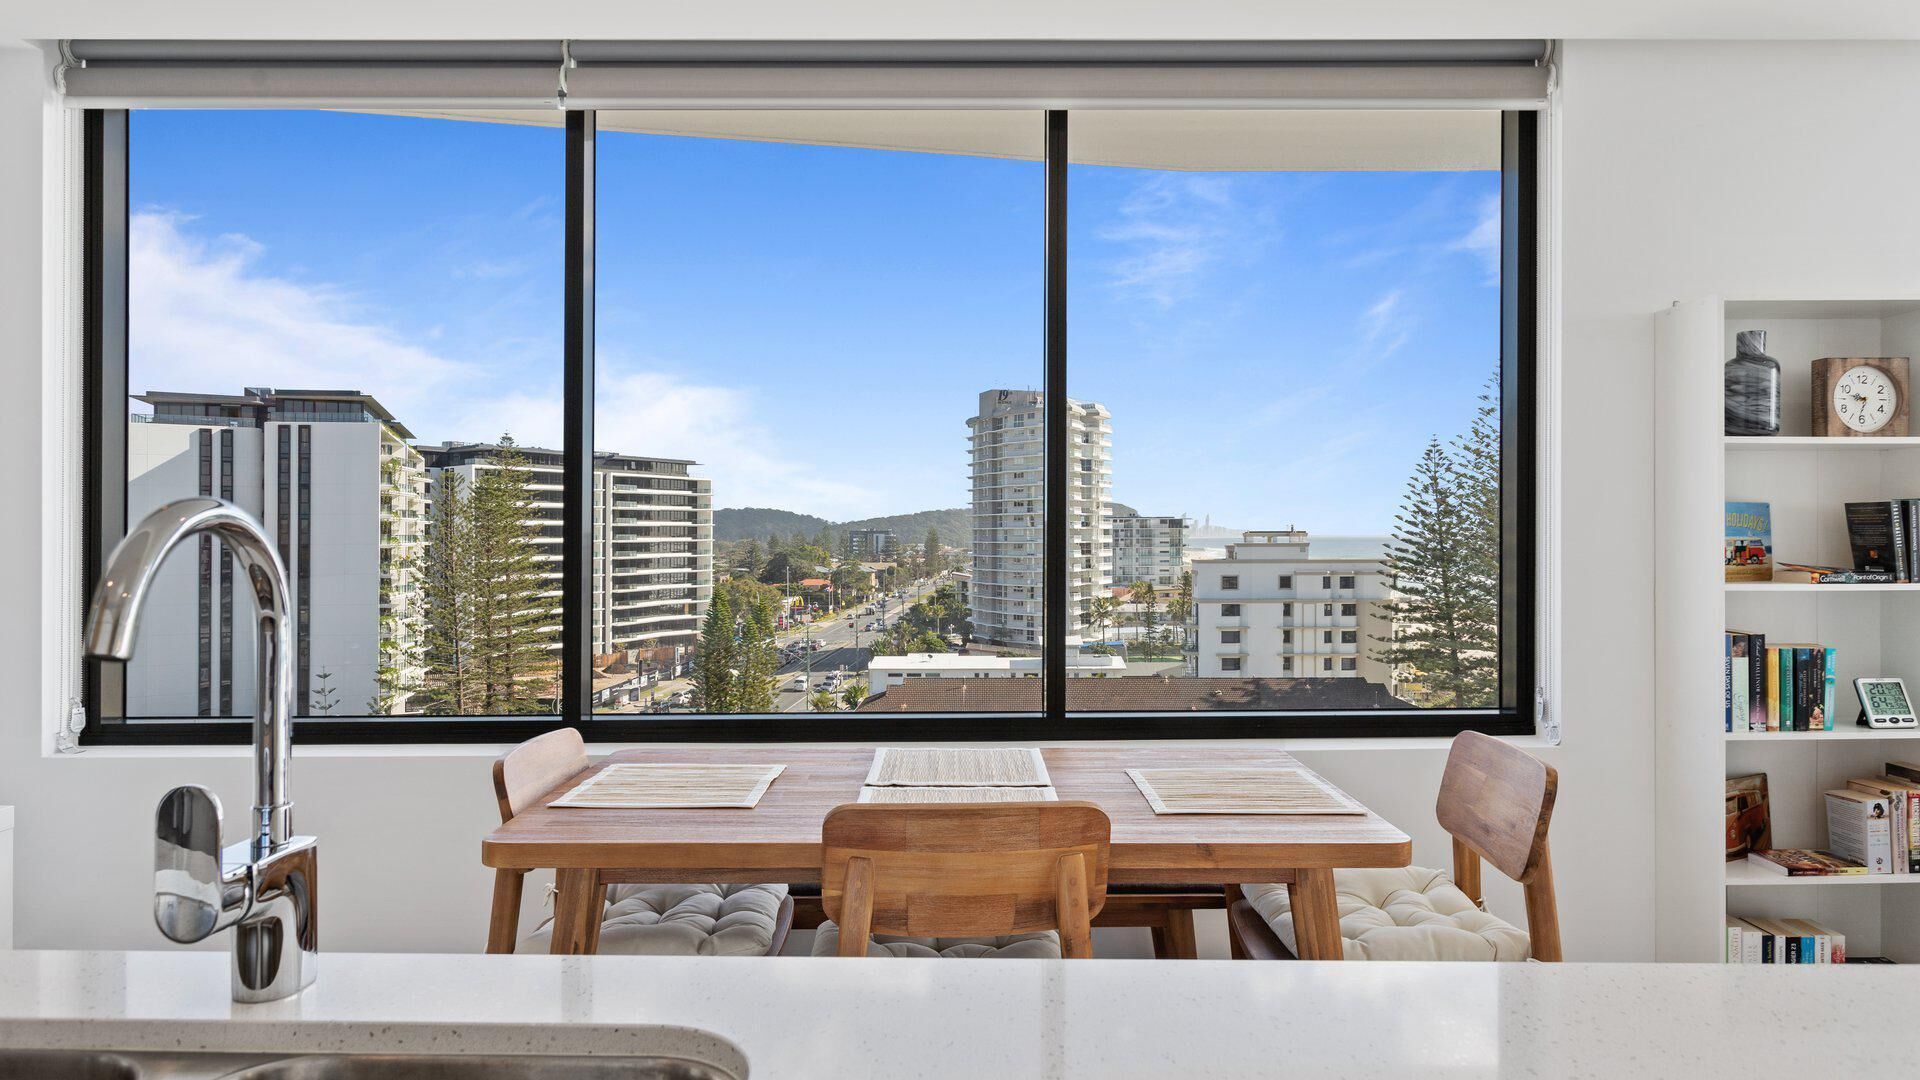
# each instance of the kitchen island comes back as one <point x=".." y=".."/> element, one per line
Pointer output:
<point x="799" y="1017"/>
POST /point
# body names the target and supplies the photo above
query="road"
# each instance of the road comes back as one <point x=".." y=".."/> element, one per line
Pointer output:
<point x="843" y="649"/>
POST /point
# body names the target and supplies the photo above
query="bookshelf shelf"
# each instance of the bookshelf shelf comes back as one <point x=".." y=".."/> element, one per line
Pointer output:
<point x="1817" y="442"/>
<point x="1850" y="732"/>
<point x="1803" y="586"/>
<point x="1743" y="874"/>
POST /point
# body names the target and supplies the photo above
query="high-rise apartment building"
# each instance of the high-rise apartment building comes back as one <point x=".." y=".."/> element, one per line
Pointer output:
<point x="873" y="543"/>
<point x="652" y="538"/>
<point x="342" y="495"/>
<point x="1148" y="548"/>
<point x="1273" y="609"/>
<point x="1008" y="452"/>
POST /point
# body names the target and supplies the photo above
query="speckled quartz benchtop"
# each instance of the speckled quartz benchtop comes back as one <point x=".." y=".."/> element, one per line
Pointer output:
<point x="795" y="1017"/>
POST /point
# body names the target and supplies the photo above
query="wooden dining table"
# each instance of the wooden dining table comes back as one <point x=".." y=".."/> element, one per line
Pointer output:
<point x="779" y="839"/>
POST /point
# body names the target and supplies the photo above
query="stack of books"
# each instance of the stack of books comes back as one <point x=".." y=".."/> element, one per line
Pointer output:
<point x="1757" y="940"/>
<point x="1777" y="686"/>
<point x="1873" y="827"/>
<point x="1885" y="538"/>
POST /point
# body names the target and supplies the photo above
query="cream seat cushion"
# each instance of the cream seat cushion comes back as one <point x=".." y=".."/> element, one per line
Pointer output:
<point x="1045" y="946"/>
<point x="1402" y="913"/>
<point x="682" y="920"/>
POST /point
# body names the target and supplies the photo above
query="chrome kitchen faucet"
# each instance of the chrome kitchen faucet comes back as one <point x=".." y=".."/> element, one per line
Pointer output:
<point x="263" y="886"/>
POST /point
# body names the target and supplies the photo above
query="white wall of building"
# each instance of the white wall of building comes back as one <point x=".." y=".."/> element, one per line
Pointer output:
<point x="1299" y="631"/>
<point x="1767" y="170"/>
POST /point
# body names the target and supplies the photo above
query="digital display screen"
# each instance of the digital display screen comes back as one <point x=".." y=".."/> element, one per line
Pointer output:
<point x="1886" y="699"/>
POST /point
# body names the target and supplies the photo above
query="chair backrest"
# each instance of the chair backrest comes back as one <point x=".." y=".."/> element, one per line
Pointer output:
<point x="528" y="771"/>
<point x="945" y="870"/>
<point x="1496" y="801"/>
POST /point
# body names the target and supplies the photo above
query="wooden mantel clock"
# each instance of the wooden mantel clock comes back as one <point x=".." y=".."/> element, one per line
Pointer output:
<point x="1860" y="396"/>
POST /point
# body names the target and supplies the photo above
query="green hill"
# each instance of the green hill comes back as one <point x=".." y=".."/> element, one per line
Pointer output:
<point x="759" y="522"/>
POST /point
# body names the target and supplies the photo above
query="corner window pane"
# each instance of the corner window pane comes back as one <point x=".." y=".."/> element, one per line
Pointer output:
<point x="1294" y="321"/>
<point x="348" y="325"/>
<point x="818" y="338"/>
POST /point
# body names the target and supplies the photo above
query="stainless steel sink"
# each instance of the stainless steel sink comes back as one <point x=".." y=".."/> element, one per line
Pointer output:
<point x="66" y="1065"/>
<point x="131" y="1065"/>
<point x="478" y="1067"/>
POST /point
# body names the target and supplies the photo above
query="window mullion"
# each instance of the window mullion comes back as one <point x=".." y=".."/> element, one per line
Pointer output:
<point x="576" y="548"/>
<point x="1056" y="587"/>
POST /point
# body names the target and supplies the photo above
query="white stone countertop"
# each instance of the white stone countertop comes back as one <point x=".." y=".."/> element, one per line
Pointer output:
<point x="799" y="1017"/>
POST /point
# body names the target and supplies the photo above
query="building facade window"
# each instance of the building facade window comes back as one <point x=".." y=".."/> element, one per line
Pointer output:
<point x="1229" y="663"/>
<point x="1230" y="582"/>
<point x="1229" y="611"/>
<point x="1229" y="637"/>
<point x="1286" y="581"/>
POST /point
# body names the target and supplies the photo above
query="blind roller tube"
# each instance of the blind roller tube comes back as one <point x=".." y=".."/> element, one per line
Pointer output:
<point x="616" y="74"/>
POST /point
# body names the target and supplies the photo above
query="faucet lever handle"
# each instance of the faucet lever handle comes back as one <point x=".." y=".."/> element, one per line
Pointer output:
<point x="194" y="894"/>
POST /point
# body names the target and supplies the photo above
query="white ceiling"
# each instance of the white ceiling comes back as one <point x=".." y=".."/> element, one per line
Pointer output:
<point x="891" y="19"/>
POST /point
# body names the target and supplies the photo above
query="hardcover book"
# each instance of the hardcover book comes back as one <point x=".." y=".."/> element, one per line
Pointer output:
<point x="1749" y="821"/>
<point x="1749" y="546"/>
<point x="1877" y="532"/>
<point x="1859" y="829"/>
<point x="1809" y="574"/>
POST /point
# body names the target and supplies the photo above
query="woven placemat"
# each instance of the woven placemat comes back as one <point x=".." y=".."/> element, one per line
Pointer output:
<point x="671" y="787"/>
<point x="993" y="766"/>
<point x="871" y="794"/>
<point x="1241" y="791"/>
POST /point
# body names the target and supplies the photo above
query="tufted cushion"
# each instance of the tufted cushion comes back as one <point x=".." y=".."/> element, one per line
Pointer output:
<point x="682" y="920"/>
<point x="1046" y="946"/>
<point x="1403" y="913"/>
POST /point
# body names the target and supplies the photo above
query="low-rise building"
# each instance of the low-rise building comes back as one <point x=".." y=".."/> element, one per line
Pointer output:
<point x="1271" y="608"/>
<point x="888" y="671"/>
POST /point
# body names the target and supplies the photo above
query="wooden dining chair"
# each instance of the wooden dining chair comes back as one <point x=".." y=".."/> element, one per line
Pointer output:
<point x="636" y="919"/>
<point x="1496" y="801"/>
<point x="996" y="879"/>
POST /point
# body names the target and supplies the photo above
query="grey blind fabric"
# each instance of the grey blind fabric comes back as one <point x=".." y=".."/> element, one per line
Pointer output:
<point x="614" y="74"/>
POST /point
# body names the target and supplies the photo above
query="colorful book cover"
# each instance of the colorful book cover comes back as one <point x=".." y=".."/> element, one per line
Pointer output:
<point x="1737" y="683"/>
<point x="1749" y="818"/>
<point x="1876" y="531"/>
<point x="1810" y="574"/>
<point x="1787" y="699"/>
<point x="1726" y="679"/>
<point x="1749" y="541"/>
<point x="1757" y="680"/>
<point x="1803" y="862"/>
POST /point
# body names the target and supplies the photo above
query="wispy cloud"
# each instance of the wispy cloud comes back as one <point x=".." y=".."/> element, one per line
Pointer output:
<point x="1175" y="228"/>
<point x="1384" y="327"/>
<point x="1482" y="241"/>
<point x="205" y="315"/>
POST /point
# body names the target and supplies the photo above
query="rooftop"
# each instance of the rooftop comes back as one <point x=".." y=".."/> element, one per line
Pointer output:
<point x="1144" y="693"/>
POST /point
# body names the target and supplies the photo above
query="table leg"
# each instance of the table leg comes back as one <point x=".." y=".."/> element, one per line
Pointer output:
<point x="1316" y="915"/>
<point x="1181" y="944"/>
<point x="576" y="912"/>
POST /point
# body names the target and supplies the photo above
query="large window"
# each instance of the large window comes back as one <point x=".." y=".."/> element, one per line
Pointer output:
<point x="831" y="491"/>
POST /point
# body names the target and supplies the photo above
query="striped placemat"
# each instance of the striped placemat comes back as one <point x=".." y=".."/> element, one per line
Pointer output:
<point x="957" y="794"/>
<point x="993" y="766"/>
<point x="1241" y="791"/>
<point x="671" y="787"/>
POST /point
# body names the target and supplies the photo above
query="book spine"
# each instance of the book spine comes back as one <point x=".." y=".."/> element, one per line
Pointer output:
<point x="1913" y="833"/>
<point x="1730" y="949"/>
<point x="1791" y="950"/>
<point x="1832" y="684"/>
<point x="1737" y="677"/>
<point x="1896" y="515"/>
<point x="1767" y="942"/>
<point x="1750" y="944"/>
<point x="1838" y="946"/>
<point x="1912" y="509"/>
<point x="1773" y="689"/>
<point x="1727" y="677"/>
<point x="1787" y="700"/>
<point x="1810" y="683"/>
<point x="1757" y="682"/>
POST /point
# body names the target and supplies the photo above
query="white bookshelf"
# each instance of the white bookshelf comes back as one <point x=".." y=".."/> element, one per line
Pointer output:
<point x="1876" y="628"/>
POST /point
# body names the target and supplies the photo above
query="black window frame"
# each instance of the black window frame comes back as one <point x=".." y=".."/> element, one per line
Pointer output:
<point x="105" y="209"/>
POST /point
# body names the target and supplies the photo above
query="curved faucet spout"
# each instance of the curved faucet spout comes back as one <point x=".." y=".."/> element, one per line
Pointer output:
<point x="114" y="613"/>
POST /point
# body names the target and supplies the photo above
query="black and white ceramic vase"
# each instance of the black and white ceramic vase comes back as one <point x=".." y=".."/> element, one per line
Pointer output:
<point x="1753" y="387"/>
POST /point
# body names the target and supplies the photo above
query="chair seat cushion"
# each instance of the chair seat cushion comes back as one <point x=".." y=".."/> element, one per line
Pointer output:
<point x="1402" y="913"/>
<point x="682" y="920"/>
<point x="1044" y="946"/>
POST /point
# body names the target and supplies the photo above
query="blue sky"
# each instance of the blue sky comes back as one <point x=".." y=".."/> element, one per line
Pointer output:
<point x="813" y="323"/>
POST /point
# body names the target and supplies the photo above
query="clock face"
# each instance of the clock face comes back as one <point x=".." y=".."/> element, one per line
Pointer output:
<point x="1865" y="399"/>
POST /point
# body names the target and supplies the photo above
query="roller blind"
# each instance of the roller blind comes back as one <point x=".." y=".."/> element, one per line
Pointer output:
<point x="788" y="75"/>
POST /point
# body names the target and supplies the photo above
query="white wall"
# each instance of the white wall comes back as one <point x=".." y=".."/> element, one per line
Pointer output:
<point x="1762" y="170"/>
